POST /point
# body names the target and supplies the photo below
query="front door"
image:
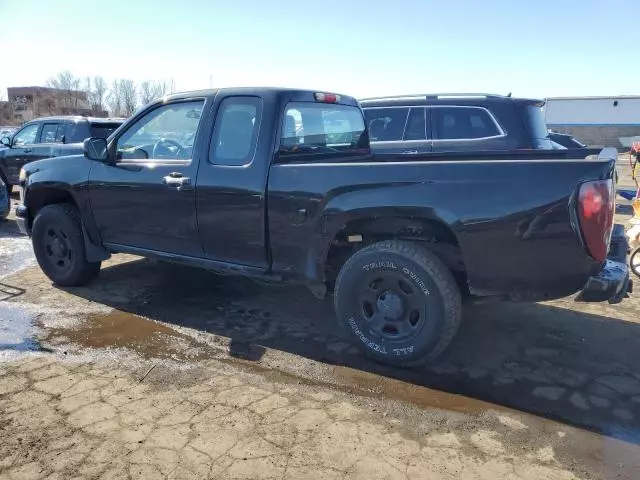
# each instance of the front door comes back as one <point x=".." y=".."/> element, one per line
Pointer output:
<point x="48" y="145"/>
<point x="19" y="154"/>
<point x="146" y="197"/>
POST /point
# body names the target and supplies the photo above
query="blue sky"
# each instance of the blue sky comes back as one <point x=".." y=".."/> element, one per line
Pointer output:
<point x="535" y="48"/>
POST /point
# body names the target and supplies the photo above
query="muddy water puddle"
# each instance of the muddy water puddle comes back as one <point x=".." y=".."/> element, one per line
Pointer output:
<point x="16" y="332"/>
<point x="123" y="330"/>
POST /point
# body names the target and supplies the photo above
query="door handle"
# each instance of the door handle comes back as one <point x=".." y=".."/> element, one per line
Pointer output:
<point x="176" y="181"/>
<point x="410" y="152"/>
<point x="27" y="150"/>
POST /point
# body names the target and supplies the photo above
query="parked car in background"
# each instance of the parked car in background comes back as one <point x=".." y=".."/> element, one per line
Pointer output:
<point x="49" y="137"/>
<point x="417" y="124"/>
<point x="282" y="185"/>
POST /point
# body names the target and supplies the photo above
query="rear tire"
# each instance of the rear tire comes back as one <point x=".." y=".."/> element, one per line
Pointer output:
<point x="58" y="244"/>
<point x="398" y="303"/>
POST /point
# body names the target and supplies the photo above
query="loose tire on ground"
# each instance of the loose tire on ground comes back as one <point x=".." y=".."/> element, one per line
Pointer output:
<point x="58" y="244"/>
<point x="398" y="303"/>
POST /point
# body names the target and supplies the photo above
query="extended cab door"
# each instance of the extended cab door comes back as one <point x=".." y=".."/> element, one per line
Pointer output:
<point x="232" y="180"/>
<point x="145" y="197"/>
<point x="18" y="155"/>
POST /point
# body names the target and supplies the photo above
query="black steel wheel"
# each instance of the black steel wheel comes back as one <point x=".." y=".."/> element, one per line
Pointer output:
<point x="58" y="244"/>
<point x="391" y="306"/>
<point x="398" y="302"/>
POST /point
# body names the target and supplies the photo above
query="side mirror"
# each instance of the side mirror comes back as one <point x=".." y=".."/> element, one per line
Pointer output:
<point x="96" y="149"/>
<point x="6" y="141"/>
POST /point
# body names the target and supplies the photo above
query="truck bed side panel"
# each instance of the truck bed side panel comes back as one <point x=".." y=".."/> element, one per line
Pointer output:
<point x="513" y="220"/>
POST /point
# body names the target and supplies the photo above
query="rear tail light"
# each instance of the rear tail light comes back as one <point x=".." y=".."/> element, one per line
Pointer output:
<point x="595" y="214"/>
<point x="327" y="97"/>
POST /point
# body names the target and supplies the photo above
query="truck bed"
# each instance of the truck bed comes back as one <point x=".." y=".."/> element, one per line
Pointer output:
<point x="512" y="213"/>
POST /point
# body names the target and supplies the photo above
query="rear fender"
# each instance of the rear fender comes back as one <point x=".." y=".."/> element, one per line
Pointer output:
<point x="372" y="203"/>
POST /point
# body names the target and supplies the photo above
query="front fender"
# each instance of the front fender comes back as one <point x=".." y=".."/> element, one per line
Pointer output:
<point x="54" y="180"/>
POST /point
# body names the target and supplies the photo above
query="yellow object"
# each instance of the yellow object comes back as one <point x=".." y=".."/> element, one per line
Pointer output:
<point x="636" y="207"/>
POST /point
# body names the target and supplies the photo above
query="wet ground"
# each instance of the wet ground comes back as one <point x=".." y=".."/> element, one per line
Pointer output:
<point x="558" y="382"/>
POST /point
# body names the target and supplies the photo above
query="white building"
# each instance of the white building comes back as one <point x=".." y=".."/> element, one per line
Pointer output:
<point x="597" y="121"/>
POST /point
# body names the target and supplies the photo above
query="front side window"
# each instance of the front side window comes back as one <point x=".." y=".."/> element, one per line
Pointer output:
<point x="386" y="124"/>
<point x="26" y="136"/>
<point x="461" y="123"/>
<point x="48" y="134"/>
<point x="235" y="133"/>
<point x="165" y="133"/>
<point x="322" y="128"/>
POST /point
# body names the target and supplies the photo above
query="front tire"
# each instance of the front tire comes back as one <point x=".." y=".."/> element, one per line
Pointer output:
<point x="58" y="244"/>
<point x="398" y="302"/>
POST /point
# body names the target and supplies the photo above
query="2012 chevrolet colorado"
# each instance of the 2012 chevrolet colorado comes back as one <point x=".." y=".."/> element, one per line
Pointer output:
<point x="282" y="185"/>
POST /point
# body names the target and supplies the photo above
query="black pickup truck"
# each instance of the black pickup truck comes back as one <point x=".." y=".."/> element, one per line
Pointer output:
<point x="282" y="185"/>
<point x="48" y="137"/>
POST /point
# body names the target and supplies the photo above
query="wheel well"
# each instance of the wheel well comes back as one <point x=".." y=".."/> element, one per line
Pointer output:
<point x="47" y="196"/>
<point x="433" y="235"/>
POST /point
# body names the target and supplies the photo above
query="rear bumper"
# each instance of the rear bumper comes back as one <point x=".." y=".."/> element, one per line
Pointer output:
<point x="612" y="283"/>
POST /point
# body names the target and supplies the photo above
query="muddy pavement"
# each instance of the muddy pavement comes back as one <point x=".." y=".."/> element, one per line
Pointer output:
<point x="162" y="371"/>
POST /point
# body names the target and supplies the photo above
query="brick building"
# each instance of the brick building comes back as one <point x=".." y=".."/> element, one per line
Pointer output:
<point x="27" y="103"/>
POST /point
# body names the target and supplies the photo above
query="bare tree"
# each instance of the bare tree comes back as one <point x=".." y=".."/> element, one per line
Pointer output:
<point x="150" y="90"/>
<point x="98" y="93"/>
<point x="146" y="92"/>
<point x="129" y="98"/>
<point x="67" y="81"/>
<point x="114" y="99"/>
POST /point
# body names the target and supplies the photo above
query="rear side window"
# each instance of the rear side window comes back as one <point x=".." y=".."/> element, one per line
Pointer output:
<point x="102" y="130"/>
<point x="235" y="133"/>
<point x="386" y="124"/>
<point x="48" y="133"/>
<point x="322" y="128"/>
<point x="463" y="123"/>
<point x="72" y="133"/>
